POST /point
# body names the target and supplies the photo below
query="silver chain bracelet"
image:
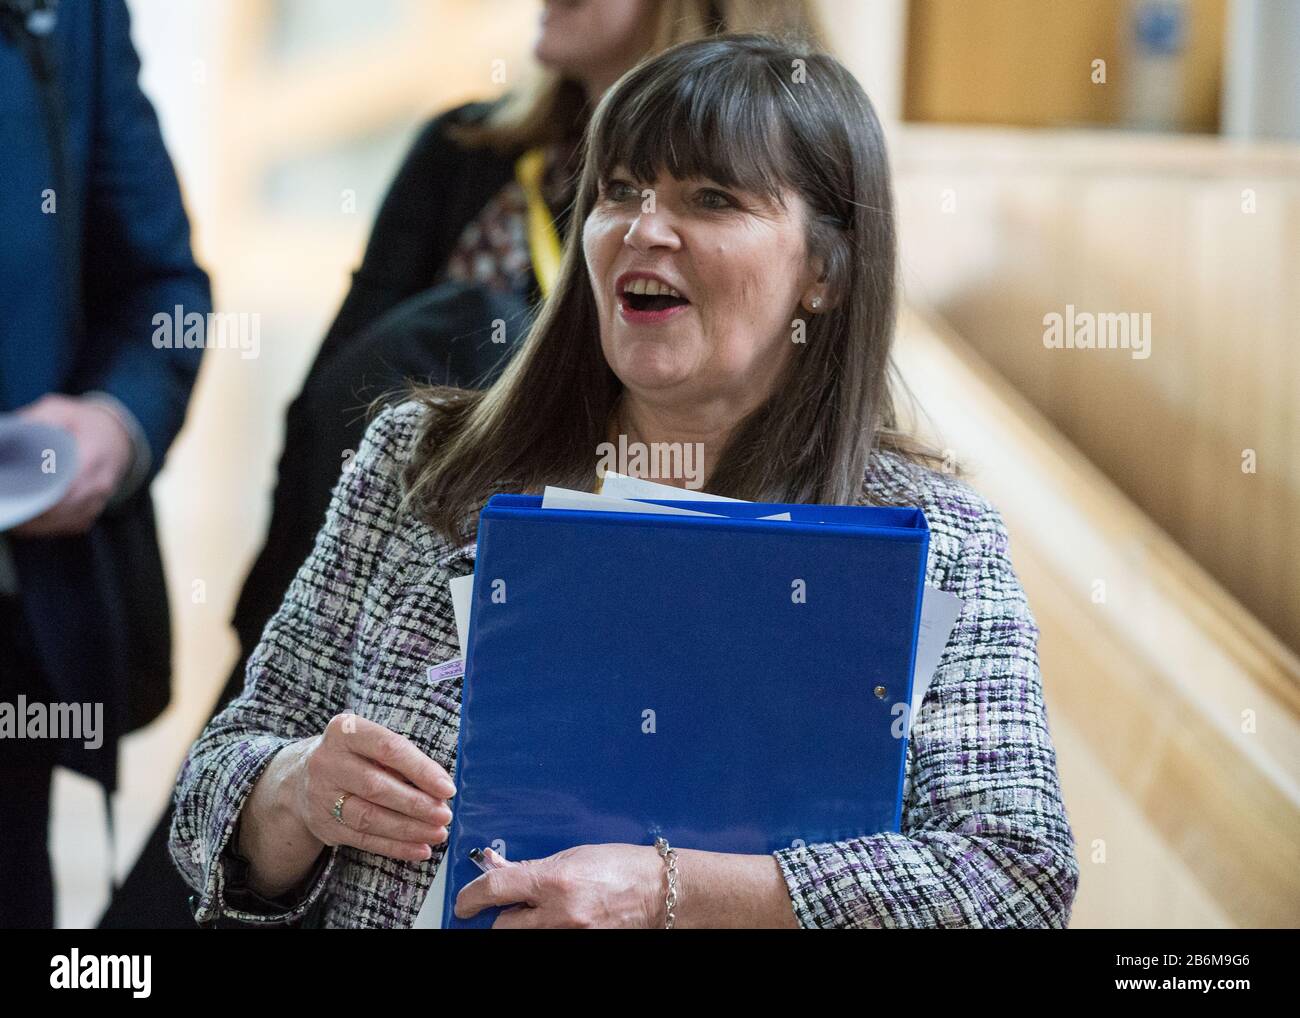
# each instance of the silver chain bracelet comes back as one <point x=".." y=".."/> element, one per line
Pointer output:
<point x="669" y="856"/>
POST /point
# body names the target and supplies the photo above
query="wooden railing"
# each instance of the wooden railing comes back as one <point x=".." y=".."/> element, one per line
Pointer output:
<point x="1175" y="714"/>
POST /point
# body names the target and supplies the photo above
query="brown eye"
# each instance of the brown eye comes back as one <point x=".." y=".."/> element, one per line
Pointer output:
<point x="711" y="198"/>
<point x="618" y="190"/>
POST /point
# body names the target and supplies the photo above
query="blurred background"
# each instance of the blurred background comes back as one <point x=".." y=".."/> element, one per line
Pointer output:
<point x="1134" y="157"/>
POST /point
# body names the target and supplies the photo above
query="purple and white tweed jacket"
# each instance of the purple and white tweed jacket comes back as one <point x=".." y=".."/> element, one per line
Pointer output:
<point x="985" y="840"/>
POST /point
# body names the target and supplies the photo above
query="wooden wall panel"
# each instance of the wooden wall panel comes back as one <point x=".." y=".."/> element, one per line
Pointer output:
<point x="1182" y="813"/>
<point x="1126" y="223"/>
<point x="1029" y="62"/>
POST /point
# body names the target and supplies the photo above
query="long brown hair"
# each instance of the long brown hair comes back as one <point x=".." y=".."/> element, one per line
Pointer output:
<point x="749" y="112"/>
<point x="552" y="109"/>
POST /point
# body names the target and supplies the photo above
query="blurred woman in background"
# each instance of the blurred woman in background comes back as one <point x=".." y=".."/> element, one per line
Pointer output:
<point x="464" y="247"/>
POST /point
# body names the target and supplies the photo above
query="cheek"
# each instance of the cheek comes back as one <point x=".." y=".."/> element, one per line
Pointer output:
<point x="615" y="24"/>
<point x="755" y="274"/>
<point x="747" y="328"/>
<point x="754" y="294"/>
<point x="601" y="239"/>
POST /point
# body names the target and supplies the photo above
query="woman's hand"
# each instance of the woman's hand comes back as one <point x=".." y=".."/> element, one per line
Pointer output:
<point x="396" y="797"/>
<point x="594" y="886"/>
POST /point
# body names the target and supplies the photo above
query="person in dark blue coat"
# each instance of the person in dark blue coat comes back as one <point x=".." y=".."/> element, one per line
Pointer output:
<point x="94" y="246"/>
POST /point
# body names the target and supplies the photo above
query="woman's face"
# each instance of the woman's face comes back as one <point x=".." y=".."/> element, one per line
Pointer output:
<point x="739" y="265"/>
<point x="593" y="41"/>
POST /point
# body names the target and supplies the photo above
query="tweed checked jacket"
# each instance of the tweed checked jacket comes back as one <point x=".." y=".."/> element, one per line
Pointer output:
<point x="985" y="840"/>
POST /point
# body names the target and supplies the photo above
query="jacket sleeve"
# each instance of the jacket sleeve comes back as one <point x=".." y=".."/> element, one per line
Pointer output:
<point x="985" y="841"/>
<point x="296" y="679"/>
<point x="138" y="261"/>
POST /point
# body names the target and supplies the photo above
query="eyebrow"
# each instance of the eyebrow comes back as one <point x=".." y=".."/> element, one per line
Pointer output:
<point x="759" y="196"/>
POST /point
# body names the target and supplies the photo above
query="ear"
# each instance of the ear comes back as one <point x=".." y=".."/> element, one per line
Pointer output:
<point x="816" y="297"/>
<point x="817" y="268"/>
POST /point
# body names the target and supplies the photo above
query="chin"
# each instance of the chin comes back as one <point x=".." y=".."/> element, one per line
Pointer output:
<point x="652" y="383"/>
<point x="546" y="54"/>
<point x="645" y="377"/>
<point x="649" y="364"/>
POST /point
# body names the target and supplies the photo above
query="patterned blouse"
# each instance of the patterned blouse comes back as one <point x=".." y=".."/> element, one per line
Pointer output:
<point x="985" y="840"/>
<point x="493" y="249"/>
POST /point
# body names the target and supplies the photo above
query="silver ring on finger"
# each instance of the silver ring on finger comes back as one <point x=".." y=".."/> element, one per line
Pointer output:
<point x="337" y="811"/>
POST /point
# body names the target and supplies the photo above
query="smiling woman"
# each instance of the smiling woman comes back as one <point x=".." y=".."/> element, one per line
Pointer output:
<point x="749" y="177"/>
<point x="742" y="259"/>
<point x="732" y="288"/>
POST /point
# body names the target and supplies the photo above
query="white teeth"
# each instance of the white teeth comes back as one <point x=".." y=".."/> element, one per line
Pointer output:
<point x="651" y="288"/>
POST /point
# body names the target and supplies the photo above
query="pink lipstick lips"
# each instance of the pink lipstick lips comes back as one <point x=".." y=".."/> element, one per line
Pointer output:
<point x="645" y="298"/>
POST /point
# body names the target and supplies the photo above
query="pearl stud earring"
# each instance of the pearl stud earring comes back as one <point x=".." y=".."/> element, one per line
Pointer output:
<point x="815" y="303"/>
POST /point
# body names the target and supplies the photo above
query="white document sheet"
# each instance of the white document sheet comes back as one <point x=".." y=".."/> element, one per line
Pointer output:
<point x="462" y="592"/>
<point x="567" y="498"/>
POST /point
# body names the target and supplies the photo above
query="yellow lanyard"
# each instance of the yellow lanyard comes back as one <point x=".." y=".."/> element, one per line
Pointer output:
<point x="543" y="240"/>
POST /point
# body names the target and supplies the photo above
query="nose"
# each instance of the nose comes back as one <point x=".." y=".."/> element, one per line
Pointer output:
<point x="650" y="230"/>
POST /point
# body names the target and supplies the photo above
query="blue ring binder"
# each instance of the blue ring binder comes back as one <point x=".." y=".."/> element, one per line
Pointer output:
<point x="710" y="679"/>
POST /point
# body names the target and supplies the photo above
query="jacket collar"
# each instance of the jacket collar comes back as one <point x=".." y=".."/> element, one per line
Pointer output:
<point x="458" y="561"/>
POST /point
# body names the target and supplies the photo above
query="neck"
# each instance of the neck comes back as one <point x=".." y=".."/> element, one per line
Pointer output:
<point x="595" y="85"/>
<point x="680" y="446"/>
<point x="597" y="80"/>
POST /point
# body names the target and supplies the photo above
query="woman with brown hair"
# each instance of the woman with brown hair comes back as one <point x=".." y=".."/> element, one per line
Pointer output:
<point x="733" y="190"/>
<point x="465" y="244"/>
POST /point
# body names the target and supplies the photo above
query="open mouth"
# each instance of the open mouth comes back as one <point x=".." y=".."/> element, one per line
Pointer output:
<point x="648" y="295"/>
<point x="658" y="302"/>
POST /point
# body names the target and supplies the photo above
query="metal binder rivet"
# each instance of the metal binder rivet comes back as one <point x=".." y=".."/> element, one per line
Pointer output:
<point x="880" y="692"/>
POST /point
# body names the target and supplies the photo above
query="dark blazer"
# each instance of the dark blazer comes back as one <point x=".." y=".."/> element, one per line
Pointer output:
<point x="396" y="323"/>
<point x="78" y="292"/>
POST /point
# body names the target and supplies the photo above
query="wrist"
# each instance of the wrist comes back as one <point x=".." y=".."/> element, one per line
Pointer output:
<point x="656" y="910"/>
<point x="668" y="887"/>
<point x="121" y="428"/>
<point x="139" y="456"/>
<point x="289" y="785"/>
<point x="273" y="835"/>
